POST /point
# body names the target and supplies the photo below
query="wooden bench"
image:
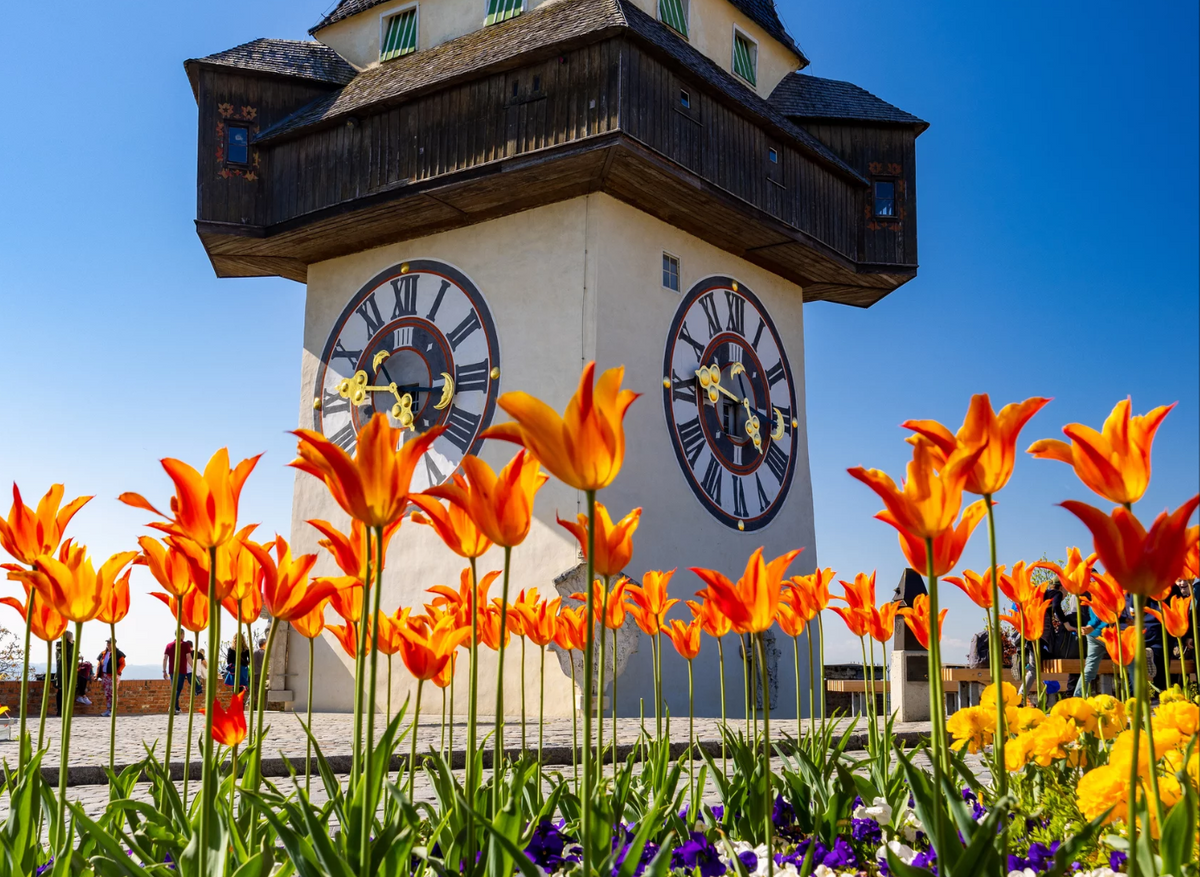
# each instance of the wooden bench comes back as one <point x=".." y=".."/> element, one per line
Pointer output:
<point x="857" y="689"/>
<point x="965" y="687"/>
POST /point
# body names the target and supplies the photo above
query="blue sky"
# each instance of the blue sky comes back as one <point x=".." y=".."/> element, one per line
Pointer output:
<point x="1058" y="239"/>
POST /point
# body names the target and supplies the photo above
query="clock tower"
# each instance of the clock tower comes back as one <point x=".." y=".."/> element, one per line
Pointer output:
<point x="483" y="195"/>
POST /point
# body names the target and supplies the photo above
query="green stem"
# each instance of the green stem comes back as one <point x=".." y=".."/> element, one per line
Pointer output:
<point x="412" y="756"/>
<point x="812" y="708"/>
<point x="766" y="754"/>
<point x="868" y="693"/>
<point x="657" y="670"/>
<point x="1131" y="803"/>
<point x="1083" y="682"/>
<point x="450" y="727"/>
<point x="360" y="665"/>
<point x="115" y="678"/>
<point x="996" y="657"/>
<point x="371" y="621"/>
<point x="29" y="604"/>
<point x="308" y="721"/>
<point x="208" y="778"/>
<point x="937" y="704"/>
<point x="746" y="683"/>
<point x="821" y="677"/>
<point x="472" y="709"/>
<point x="796" y="659"/>
<point x="1143" y="685"/>
<point x="187" y="755"/>
<point x="1166" y="638"/>
<point x="178" y="662"/>
<point x="600" y="692"/>
<point x="442" y="741"/>
<point x="72" y="673"/>
<point x="523" y="746"/>
<point x="574" y="728"/>
<point x="498" y="742"/>
<point x="234" y="689"/>
<point x="724" y="723"/>
<point x="588" y="662"/>
<point x="692" y="812"/>
<point x="388" y="709"/>
<point x="262" y="697"/>
<point x="541" y="710"/>
<point x="46" y="693"/>
<point x="614" y="684"/>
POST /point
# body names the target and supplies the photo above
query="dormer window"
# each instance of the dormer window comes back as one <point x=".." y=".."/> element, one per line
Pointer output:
<point x="885" y="198"/>
<point x="745" y="57"/>
<point x="674" y="14"/>
<point x="237" y="144"/>
<point x="399" y="34"/>
<point x="503" y="10"/>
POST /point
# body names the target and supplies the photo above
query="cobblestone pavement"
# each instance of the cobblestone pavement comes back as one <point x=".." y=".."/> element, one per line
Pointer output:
<point x="333" y="731"/>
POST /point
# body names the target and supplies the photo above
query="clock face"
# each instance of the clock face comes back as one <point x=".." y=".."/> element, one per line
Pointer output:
<point x="730" y="403"/>
<point x="418" y="344"/>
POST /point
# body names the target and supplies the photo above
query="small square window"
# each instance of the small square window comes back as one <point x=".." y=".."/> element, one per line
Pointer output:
<point x="400" y="35"/>
<point x="885" y="198"/>
<point x="685" y="99"/>
<point x="745" y="57"/>
<point x="773" y="156"/>
<point x="674" y="14"/>
<point x="670" y="272"/>
<point x="237" y="145"/>
<point x="502" y="10"/>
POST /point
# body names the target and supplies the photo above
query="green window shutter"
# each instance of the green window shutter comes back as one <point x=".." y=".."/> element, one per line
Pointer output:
<point x="502" y="10"/>
<point x="743" y="59"/>
<point x="401" y="37"/>
<point x="672" y="14"/>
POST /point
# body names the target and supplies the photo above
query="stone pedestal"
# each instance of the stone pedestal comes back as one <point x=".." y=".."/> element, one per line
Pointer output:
<point x="910" y="685"/>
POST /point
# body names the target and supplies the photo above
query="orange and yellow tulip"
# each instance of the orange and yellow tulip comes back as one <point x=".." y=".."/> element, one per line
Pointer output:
<point x="1019" y="586"/>
<point x="1105" y="597"/>
<point x="947" y="548"/>
<point x="229" y="725"/>
<point x="286" y="591"/>
<point x="310" y="625"/>
<point x="452" y="523"/>
<point x="791" y="622"/>
<point x="917" y="619"/>
<point x="570" y="633"/>
<point x="167" y="564"/>
<point x="489" y="628"/>
<point x="882" y="622"/>
<point x="349" y="551"/>
<point x="977" y="587"/>
<point x="857" y="620"/>
<point x="539" y="620"/>
<point x="614" y="544"/>
<point x="347" y="635"/>
<point x="426" y="652"/>
<point x="712" y="621"/>
<point x="248" y="608"/>
<point x="685" y="637"/>
<point x="373" y="485"/>
<point x="75" y="589"/>
<point x="28" y="534"/>
<point x="500" y="505"/>
<point x="928" y="503"/>
<point x="1145" y="563"/>
<point x="859" y="594"/>
<point x="1173" y="615"/>
<point x="586" y="446"/>
<point x="812" y="591"/>
<point x="649" y="603"/>
<point x="236" y="569"/>
<point x="1076" y="577"/>
<point x="205" y="507"/>
<point x="1191" y="561"/>
<point x="114" y="604"/>
<point x="982" y="428"/>
<point x="752" y="604"/>
<point x="391" y="632"/>
<point x="460" y="601"/>
<point x="1121" y="645"/>
<point x="46" y="624"/>
<point x="346" y="598"/>
<point x="446" y="675"/>
<point x="1029" y="618"/>
<point x="1115" y="462"/>
<point x="191" y="609"/>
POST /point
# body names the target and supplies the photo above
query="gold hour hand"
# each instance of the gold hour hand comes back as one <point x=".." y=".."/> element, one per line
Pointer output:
<point x="752" y="426"/>
<point x="710" y="383"/>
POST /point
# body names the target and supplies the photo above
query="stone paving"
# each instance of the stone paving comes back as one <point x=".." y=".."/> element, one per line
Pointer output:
<point x="333" y="731"/>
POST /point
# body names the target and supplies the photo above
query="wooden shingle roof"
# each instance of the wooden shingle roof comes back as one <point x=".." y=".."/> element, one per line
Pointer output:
<point x="302" y="59"/>
<point x="800" y="96"/>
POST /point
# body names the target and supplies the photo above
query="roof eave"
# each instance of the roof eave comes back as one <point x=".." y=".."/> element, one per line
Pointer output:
<point x="918" y="125"/>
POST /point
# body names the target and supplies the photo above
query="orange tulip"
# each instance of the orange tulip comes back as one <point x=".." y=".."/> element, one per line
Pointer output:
<point x="501" y="506"/>
<point x="460" y="601"/>
<point x="857" y="620"/>
<point x="859" y="594"/>
<point x="649" y="603"/>
<point x="982" y="428"/>
<point x="977" y="587"/>
<point x="311" y="625"/>
<point x="1019" y="585"/>
<point x="752" y="604"/>
<point x="1029" y="618"/>
<point x="229" y="725"/>
<point x="1173" y="615"/>
<point x="115" y="602"/>
<point x="350" y="551"/>
<point x="373" y="485"/>
<point x="1145" y="563"/>
<point x="586" y="446"/>
<point x="929" y="501"/>
<point x="346" y="598"/>
<point x="426" y="654"/>
<point x="1105" y="597"/>
<point x="1077" y="575"/>
<point x="167" y="564"/>
<point x="712" y="620"/>
<point x="489" y="628"/>
<point x="28" y="534"/>
<point x="391" y="634"/>
<point x="205" y="506"/>
<point x="446" y="675"/>
<point x="236" y="568"/>
<point x="451" y="522"/>
<point x="917" y="619"/>
<point x="286" y="591"/>
<point x="347" y="635"/>
<point x="539" y="620"/>
<point x="1191" y="562"/>
<point x="47" y="625"/>
<point x="77" y="591"/>
<point x="685" y="637"/>
<point x="1121" y="645"/>
<point x="882" y="623"/>
<point x="570" y="632"/>
<point x="191" y="609"/>
<point x="1115" y="462"/>
<point x="614" y="544"/>
<point x="248" y="608"/>
<point x="812" y="591"/>
<point x="791" y="622"/>
<point x="947" y="548"/>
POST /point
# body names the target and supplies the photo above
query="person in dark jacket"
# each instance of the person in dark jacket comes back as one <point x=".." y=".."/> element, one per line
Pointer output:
<point x="238" y="655"/>
<point x="112" y="664"/>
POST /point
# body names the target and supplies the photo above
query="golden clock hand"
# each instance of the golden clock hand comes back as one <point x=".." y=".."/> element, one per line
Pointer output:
<point x="752" y="426"/>
<point x="447" y="392"/>
<point x="710" y="382"/>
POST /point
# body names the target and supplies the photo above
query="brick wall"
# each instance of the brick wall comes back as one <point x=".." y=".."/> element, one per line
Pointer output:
<point x="135" y="697"/>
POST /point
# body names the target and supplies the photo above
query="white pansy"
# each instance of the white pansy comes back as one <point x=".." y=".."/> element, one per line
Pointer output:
<point x="909" y="825"/>
<point x="879" y="810"/>
<point x="760" y="853"/>
<point x="903" y="852"/>
<point x="1025" y="872"/>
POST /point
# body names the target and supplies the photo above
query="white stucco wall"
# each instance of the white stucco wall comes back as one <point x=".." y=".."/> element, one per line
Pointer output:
<point x="710" y="30"/>
<point x="566" y="283"/>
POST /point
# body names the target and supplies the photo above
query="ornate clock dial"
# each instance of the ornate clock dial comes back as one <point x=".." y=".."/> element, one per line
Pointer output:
<point x="730" y="403"/>
<point x="417" y="343"/>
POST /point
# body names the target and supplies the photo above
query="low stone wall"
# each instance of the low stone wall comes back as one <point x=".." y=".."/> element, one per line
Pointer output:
<point x="135" y="697"/>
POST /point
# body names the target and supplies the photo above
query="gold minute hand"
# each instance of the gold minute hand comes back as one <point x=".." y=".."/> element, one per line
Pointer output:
<point x="710" y="382"/>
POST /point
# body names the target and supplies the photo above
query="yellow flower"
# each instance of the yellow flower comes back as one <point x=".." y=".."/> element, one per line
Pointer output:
<point x="1122" y="752"/>
<point x="1110" y="714"/>
<point x="1050" y="739"/>
<point x="1017" y="751"/>
<point x="1010" y="695"/>
<point x="1077" y="710"/>
<point x="1027" y="718"/>
<point x="1101" y="789"/>
<point x="1179" y="716"/>
<point x="972" y="727"/>
<point x="1172" y="695"/>
<point x="1173" y="761"/>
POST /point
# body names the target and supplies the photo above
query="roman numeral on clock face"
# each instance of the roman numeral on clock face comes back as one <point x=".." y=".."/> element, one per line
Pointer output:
<point x="709" y="303"/>
<point x="775" y="373"/>
<point x="686" y="337"/>
<point x="406" y="295"/>
<point x="345" y="438"/>
<point x="469" y="324"/>
<point x="432" y="472"/>
<point x="777" y="462"/>
<point x="739" y="498"/>
<point x="683" y="389"/>
<point x="333" y="403"/>
<point x="712" y="480"/>
<point x="468" y="378"/>
<point x="460" y="428"/>
<point x="691" y="435"/>
<point x="352" y="355"/>
<point x="369" y="311"/>
<point x="737" y="312"/>
<point x="763" y="499"/>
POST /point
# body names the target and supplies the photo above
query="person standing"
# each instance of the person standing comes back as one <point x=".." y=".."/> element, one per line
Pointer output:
<point x="258" y="658"/>
<point x="237" y="655"/>
<point x="112" y="665"/>
<point x="168" y="667"/>
<point x="62" y="653"/>
<point x="1092" y="626"/>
